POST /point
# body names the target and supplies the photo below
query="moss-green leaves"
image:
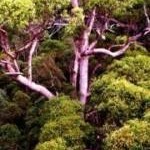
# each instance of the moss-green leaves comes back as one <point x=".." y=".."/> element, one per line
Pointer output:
<point x="116" y="8"/>
<point x="134" y="135"/>
<point x="16" y="13"/>
<point x="64" y="126"/>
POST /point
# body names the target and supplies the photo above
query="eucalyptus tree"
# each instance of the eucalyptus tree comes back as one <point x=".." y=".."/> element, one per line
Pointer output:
<point x="96" y="19"/>
<point x="86" y="22"/>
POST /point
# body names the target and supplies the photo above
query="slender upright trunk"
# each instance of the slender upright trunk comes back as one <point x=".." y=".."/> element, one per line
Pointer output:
<point x="83" y="82"/>
<point x="75" y="72"/>
<point x="75" y="67"/>
<point x="83" y="71"/>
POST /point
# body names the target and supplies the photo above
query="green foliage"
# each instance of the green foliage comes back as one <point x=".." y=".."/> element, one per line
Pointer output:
<point x="46" y="8"/>
<point x="47" y="72"/>
<point x="16" y="13"/>
<point x="3" y="98"/>
<point x="120" y="94"/>
<point x="21" y="99"/>
<point x="136" y="49"/>
<point x="118" y="8"/>
<point x="9" y="137"/>
<point x="52" y="46"/>
<point x="147" y="115"/>
<point x="135" y="69"/>
<point x="60" y="107"/>
<point x="63" y="118"/>
<point x="55" y="144"/>
<point x="69" y="128"/>
<point x="118" y="98"/>
<point x="76" y="20"/>
<point x="134" y="135"/>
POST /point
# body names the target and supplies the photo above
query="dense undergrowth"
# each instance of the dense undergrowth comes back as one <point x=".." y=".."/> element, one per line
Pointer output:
<point x="117" y="116"/>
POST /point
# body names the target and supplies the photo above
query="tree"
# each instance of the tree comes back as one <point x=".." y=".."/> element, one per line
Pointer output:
<point x="120" y="94"/>
<point x="89" y="23"/>
<point x="28" y="21"/>
<point x="98" y="19"/>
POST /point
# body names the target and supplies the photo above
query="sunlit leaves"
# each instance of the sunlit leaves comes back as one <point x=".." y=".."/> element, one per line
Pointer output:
<point x="116" y="8"/>
<point x="76" y="20"/>
<point x="16" y="13"/>
<point x="133" y="135"/>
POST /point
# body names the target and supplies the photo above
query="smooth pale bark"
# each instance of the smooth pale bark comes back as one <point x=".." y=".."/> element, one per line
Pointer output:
<point x="28" y="83"/>
<point x="108" y="52"/>
<point x="33" y="86"/>
<point x="83" y="71"/>
<point x="75" y="72"/>
<point x="32" y="50"/>
<point x="83" y="81"/>
<point x="84" y="61"/>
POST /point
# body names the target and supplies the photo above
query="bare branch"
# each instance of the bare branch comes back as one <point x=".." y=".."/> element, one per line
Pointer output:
<point x="4" y="40"/>
<point x="24" y="47"/>
<point x="26" y="82"/>
<point x="92" y="45"/>
<point x="108" y="52"/>
<point x="92" y="21"/>
<point x="13" y="73"/>
<point x="36" y="87"/>
<point x="87" y="32"/>
<point x="146" y="15"/>
<point x="16" y="65"/>
<point x="147" y="29"/>
<point x="32" y="50"/>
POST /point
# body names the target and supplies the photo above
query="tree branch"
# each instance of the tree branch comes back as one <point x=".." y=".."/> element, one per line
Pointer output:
<point x="146" y="15"/>
<point x="33" y="86"/>
<point x="108" y="52"/>
<point x="24" y="47"/>
<point x="92" y="21"/>
<point x="32" y="50"/>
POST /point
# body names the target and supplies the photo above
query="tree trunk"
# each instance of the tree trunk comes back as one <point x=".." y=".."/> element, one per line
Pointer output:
<point x="83" y="81"/>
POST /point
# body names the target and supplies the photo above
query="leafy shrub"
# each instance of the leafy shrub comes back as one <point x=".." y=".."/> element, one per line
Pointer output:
<point x="63" y="118"/>
<point x="9" y="137"/>
<point x="134" y="135"/>
<point x="59" y="107"/>
<point x="55" y="144"/>
<point x="21" y="99"/>
<point x="135" y="69"/>
<point x="120" y="94"/>
<point x="118" y="98"/>
<point x="146" y="116"/>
